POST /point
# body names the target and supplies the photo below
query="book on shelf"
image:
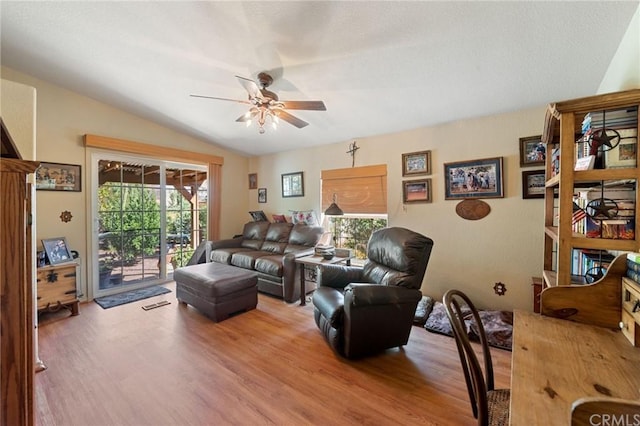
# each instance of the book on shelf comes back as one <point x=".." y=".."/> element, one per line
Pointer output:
<point x="555" y="161"/>
<point x="611" y="119"/>
<point x="634" y="266"/>
<point x="612" y="229"/>
<point x="585" y="163"/>
<point x="634" y="257"/>
<point x="635" y="276"/>
<point x="587" y="260"/>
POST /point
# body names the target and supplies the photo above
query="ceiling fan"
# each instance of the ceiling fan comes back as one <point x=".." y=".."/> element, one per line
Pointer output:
<point x="265" y="104"/>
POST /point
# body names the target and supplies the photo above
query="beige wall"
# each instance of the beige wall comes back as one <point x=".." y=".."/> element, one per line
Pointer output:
<point x="63" y="117"/>
<point x="624" y="70"/>
<point x="18" y="110"/>
<point x="506" y="246"/>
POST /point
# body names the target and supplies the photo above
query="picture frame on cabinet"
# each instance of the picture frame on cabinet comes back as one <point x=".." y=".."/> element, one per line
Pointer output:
<point x="532" y="151"/>
<point x="416" y="163"/>
<point x="481" y="178"/>
<point x="416" y="191"/>
<point x="533" y="182"/>
<point x="57" y="250"/>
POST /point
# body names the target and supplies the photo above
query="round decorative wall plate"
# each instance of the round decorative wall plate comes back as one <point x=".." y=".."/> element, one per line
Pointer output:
<point x="472" y="209"/>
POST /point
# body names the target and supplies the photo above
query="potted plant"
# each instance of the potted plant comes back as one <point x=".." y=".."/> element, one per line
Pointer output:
<point x="105" y="268"/>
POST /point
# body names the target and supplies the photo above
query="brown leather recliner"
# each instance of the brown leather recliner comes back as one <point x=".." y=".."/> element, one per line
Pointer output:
<point x="365" y="310"/>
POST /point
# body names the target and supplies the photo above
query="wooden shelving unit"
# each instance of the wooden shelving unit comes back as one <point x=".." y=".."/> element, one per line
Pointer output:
<point x="563" y="125"/>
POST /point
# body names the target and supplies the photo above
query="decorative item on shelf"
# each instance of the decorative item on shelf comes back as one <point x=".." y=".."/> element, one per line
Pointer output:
<point x="585" y="163"/>
<point x="292" y="185"/>
<point x="262" y="195"/>
<point x="474" y="179"/>
<point x="66" y="216"/>
<point x="416" y="191"/>
<point x="334" y="210"/>
<point x="253" y="181"/>
<point x="532" y="151"/>
<point x="326" y="251"/>
<point x="623" y="154"/>
<point x="533" y="182"/>
<point x="58" y="177"/>
<point x="416" y="163"/>
<point x="472" y="209"/>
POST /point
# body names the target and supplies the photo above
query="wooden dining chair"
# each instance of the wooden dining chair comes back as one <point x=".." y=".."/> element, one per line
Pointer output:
<point x="490" y="406"/>
<point x="590" y="411"/>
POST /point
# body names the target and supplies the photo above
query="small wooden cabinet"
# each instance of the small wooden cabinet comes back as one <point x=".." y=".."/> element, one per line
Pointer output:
<point x="630" y="321"/>
<point x="57" y="288"/>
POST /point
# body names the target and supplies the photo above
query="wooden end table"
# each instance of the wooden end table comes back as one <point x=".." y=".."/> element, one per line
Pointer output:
<point x="315" y="261"/>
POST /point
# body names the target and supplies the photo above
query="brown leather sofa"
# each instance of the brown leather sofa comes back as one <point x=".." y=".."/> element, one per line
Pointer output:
<point x="269" y="249"/>
<point x="365" y="310"/>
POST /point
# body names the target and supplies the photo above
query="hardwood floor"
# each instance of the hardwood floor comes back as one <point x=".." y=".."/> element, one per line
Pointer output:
<point x="173" y="366"/>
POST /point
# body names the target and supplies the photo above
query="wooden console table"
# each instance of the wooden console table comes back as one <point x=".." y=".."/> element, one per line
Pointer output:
<point x="555" y="362"/>
<point x="315" y="261"/>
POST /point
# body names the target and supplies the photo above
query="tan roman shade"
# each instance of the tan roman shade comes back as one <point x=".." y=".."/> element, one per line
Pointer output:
<point x="358" y="189"/>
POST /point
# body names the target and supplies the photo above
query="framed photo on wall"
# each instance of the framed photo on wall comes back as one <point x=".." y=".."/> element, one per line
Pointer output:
<point x="253" y="181"/>
<point x="262" y="195"/>
<point x="416" y="163"/>
<point x="532" y="151"/>
<point x="416" y="191"/>
<point x="474" y="179"/>
<point x="292" y="185"/>
<point x="533" y="184"/>
<point x="58" y="177"/>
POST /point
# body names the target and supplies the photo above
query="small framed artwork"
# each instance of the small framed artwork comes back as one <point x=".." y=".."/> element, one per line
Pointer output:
<point x="416" y="191"/>
<point x="262" y="195"/>
<point x="532" y="151"/>
<point x="253" y="181"/>
<point x="533" y="184"/>
<point x="58" y="177"/>
<point x="474" y="179"/>
<point x="57" y="250"/>
<point x="624" y="153"/>
<point x="416" y="163"/>
<point x="258" y="216"/>
<point x="292" y="185"/>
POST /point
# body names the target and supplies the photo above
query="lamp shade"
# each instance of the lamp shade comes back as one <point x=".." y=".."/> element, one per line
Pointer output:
<point x="333" y="210"/>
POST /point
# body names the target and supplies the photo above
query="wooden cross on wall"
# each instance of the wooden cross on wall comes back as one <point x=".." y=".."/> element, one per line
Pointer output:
<point x="352" y="151"/>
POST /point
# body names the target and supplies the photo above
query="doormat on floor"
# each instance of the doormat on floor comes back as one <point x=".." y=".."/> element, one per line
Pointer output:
<point x="130" y="296"/>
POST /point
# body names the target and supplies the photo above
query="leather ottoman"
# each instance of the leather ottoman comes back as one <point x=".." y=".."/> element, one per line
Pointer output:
<point x="216" y="290"/>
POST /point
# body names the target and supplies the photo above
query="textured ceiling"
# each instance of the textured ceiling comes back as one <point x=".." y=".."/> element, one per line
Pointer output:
<point x="380" y="67"/>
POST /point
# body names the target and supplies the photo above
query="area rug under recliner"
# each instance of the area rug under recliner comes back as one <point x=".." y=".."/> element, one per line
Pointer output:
<point x="130" y="296"/>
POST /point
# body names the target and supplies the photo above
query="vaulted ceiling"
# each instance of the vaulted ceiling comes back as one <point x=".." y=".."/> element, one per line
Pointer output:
<point x="380" y="67"/>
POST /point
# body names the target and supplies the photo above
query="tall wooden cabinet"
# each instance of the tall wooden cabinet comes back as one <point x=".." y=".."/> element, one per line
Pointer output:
<point x="568" y="191"/>
<point x="16" y="289"/>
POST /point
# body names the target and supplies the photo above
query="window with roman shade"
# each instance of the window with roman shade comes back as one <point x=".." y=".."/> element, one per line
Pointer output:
<point x="358" y="190"/>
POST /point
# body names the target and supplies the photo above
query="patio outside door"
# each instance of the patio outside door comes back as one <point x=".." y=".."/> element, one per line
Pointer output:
<point x="150" y="216"/>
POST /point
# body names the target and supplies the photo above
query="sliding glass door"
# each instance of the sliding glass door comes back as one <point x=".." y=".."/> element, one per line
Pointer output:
<point x="149" y="216"/>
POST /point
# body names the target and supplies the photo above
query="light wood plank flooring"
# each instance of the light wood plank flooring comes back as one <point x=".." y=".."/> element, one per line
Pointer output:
<point x="173" y="366"/>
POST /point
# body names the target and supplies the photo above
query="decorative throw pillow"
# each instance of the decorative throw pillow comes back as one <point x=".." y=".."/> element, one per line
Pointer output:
<point x="279" y="218"/>
<point x="307" y="217"/>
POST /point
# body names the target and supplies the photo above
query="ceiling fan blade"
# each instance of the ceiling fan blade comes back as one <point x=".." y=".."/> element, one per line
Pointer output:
<point x="308" y="105"/>
<point x="251" y="87"/>
<point x="284" y="115"/>
<point x="221" y="99"/>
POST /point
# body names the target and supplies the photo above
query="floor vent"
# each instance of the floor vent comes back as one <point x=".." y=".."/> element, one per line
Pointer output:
<point x="156" y="305"/>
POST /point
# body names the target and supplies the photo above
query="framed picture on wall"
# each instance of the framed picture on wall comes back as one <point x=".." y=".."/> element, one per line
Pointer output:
<point x="416" y="163"/>
<point x="532" y="151"/>
<point x="58" y="177"/>
<point x="253" y="181"/>
<point x="416" y="191"/>
<point x="262" y="195"/>
<point x="473" y="179"/>
<point x="292" y="185"/>
<point x="533" y="184"/>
